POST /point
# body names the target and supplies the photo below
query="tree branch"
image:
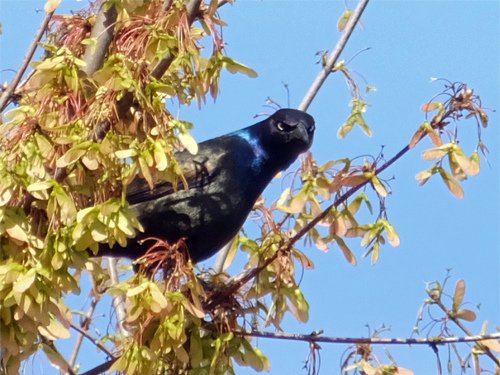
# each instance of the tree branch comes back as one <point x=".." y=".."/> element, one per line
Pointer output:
<point x="192" y="8"/>
<point x="102" y="368"/>
<point x="123" y="105"/>
<point x="84" y="326"/>
<point x="451" y="316"/>
<point x="6" y="97"/>
<point x="313" y="90"/>
<point x="316" y="337"/>
<point x="244" y="278"/>
<point x="332" y="59"/>
<point x="91" y="338"/>
<point x="103" y="31"/>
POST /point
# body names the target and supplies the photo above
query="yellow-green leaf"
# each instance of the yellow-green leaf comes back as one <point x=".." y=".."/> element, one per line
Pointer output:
<point x="379" y="186"/>
<point x="70" y="157"/>
<point x="56" y="359"/>
<point x="452" y="184"/>
<point x="344" y="18"/>
<point x="25" y="281"/>
<point x="51" y="5"/>
<point x="437" y="153"/>
<point x="54" y="330"/>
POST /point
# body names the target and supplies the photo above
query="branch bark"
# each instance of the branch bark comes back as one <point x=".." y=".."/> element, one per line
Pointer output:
<point x="192" y="8"/>
<point x="6" y="97"/>
<point x="84" y="333"/>
<point x="314" y="337"/>
<point x="317" y="337"/>
<point x="103" y="31"/>
<point x="332" y="59"/>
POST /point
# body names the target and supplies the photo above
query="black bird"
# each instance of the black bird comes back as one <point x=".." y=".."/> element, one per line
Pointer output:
<point x="225" y="178"/>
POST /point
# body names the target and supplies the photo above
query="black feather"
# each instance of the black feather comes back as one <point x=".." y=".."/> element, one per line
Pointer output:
<point x="225" y="178"/>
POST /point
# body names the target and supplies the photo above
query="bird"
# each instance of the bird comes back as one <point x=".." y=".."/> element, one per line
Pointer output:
<point x="225" y="178"/>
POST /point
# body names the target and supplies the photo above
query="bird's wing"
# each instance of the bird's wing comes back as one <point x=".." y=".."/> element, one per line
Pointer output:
<point x="197" y="170"/>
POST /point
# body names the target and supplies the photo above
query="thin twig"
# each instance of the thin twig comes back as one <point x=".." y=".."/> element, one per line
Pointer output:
<point x="94" y="340"/>
<point x="460" y="325"/>
<point x="312" y="337"/>
<point x="316" y="338"/>
<point x="244" y="278"/>
<point x="332" y="59"/>
<point x="313" y="90"/>
<point x="84" y="326"/>
<point x="6" y="96"/>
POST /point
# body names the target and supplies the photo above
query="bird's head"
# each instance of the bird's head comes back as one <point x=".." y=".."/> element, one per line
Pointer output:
<point x="286" y="134"/>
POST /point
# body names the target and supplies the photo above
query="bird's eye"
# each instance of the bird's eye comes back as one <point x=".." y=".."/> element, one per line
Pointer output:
<point x="283" y="126"/>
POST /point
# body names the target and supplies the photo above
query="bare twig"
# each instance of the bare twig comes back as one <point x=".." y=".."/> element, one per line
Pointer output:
<point x="313" y="90"/>
<point x="103" y="31"/>
<point x="244" y="278"/>
<point x="5" y="99"/>
<point x="464" y="329"/>
<point x="332" y="59"/>
<point x="84" y="326"/>
<point x="317" y="337"/>
<point x="94" y="340"/>
<point x="314" y="337"/>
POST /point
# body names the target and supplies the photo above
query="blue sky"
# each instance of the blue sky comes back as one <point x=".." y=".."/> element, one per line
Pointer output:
<point x="409" y="42"/>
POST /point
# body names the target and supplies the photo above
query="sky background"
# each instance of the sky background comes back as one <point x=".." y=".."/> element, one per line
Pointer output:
<point x="409" y="42"/>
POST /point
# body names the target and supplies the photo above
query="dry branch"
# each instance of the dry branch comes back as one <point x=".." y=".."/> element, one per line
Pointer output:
<point x="6" y="97"/>
<point x="313" y="337"/>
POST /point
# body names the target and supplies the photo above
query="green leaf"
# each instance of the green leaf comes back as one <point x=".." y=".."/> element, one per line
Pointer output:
<point x="72" y="155"/>
<point x="25" y="281"/>
<point x="55" y="330"/>
<point x="124" y="154"/>
<point x="379" y="186"/>
<point x="432" y="106"/>
<point x="236" y="67"/>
